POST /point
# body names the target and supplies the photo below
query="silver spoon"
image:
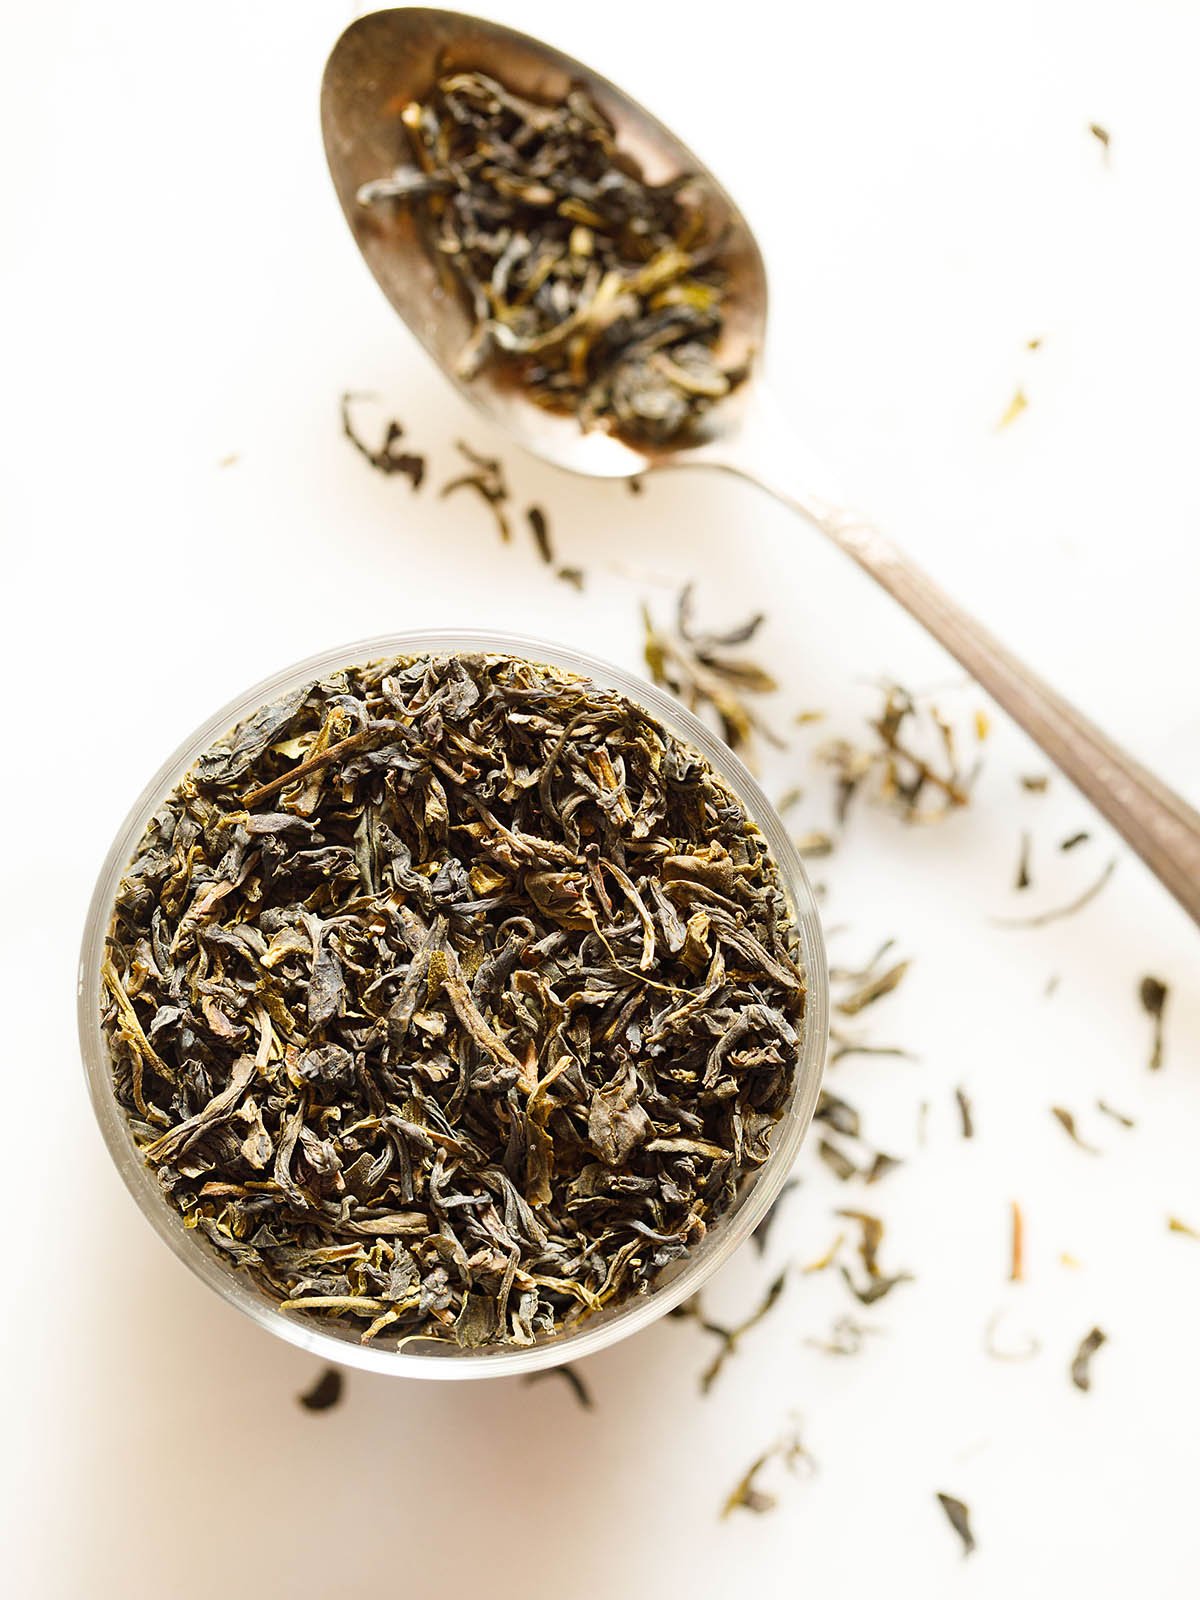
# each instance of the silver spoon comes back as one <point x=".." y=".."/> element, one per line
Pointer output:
<point x="385" y="60"/>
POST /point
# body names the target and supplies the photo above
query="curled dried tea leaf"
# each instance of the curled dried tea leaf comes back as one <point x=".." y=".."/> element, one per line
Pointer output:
<point x="388" y="457"/>
<point x="746" y="1494"/>
<point x="1081" y="1366"/>
<point x="1036" y="783"/>
<point x="488" y="481"/>
<point x="1073" y="840"/>
<point x="570" y="1377"/>
<point x="845" y="1339"/>
<point x="836" y="1159"/>
<point x="913" y="760"/>
<point x="1100" y="133"/>
<point x="875" y="989"/>
<point x="573" y="575"/>
<point x="1056" y="913"/>
<point x="964" y="1112"/>
<point x="325" y="1392"/>
<point x="1153" y="993"/>
<point x="1117" y="1116"/>
<point x="696" y="667"/>
<point x="1176" y="1225"/>
<point x="871" y="1230"/>
<point x="730" y="1337"/>
<point x="959" y="1517"/>
<point x="540" y="528"/>
<point x="1066" y="1120"/>
<point x="1023" y="879"/>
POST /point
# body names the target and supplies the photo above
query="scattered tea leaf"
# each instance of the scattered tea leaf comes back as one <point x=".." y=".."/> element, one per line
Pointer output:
<point x="814" y="845"/>
<point x="1066" y="1259"/>
<point x="1117" y="1116"/>
<point x="1016" y="1267"/>
<point x="823" y="1263"/>
<point x="836" y="1159"/>
<point x="845" y="1339"/>
<point x="804" y="719"/>
<point x="1052" y="983"/>
<point x="1069" y="910"/>
<point x="786" y="801"/>
<point x="913" y="758"/>
<point x="230" y="460"/>
<point x="1067" y="1120"/>
<point x="871" y="1231"/>
<point x="1023" y="879"/>
<point x="1038" y="783"/>
<point x="572" y="575"/>
<point x="1154" y="994"/>
<point x="881" y="1165"/>
<point x="960" y="1520"/>
<point x="746" y="1496"/>
<point x="1176" y="1225"/>
<point x="390" y="456"/>
<point x="540" y="529"/>
<point x="571" y="1377"/>
<point x="875" y="1288"/>
<point x="487" y="480"/>
<point x="983" y="725"/>
<point x="1081" y="1366"/>
<point x="325" y="1392"/>
<point x="1015" y="407"/>
<point x="731" y="1337"/>
<point x="1101" y="133"/>
<point x="874" y="989"/>
<point x="695" y="665"/>
<point x="1033" y="344"/>
<point x="964" y="1112"/>
<point x="1075" y="839"/>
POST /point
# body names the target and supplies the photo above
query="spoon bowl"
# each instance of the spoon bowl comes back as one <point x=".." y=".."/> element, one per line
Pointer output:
<point x="384" y="61"/>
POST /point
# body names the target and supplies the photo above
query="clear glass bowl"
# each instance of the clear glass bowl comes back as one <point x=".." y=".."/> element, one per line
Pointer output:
<point x="429" y="1359"/>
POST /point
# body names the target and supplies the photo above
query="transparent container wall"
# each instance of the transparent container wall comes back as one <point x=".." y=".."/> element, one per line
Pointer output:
<point x="423" y="1358"/>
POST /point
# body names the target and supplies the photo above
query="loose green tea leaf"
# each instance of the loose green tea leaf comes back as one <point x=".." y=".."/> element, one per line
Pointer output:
<point x="1066" y="1119"/>
<point x="1154" y="993"/>
<point x="1081" y="1366"/>
<point x="747" y="1496"/>
<point x="1072" y="841"/>
<point x="540" y="529"/>
<point x="964" y="1112"/>
<point x="814" y="844"/>
<point x="1038" y="783"/>
<point x="914" y="761"/>
<point x="1117" y="1116"/>
<point x="960" y="1520"/>
<point x="875" y="989"/>
<point x="838" y="1162"/>
<point x="572" y="575"/>
<point x="876" y="1288"/>
<point x="1058" y="912"/>
<point x="452" y="997"/>
<point x="870" y="1238"/>
<point x="599" y="292"/>
<point x="1175" y="1225"/>
<point x="1015" y="406"/>
<point x="881" y="1165"/>
<point x="845" y="1339"/>
<point x="1016" y="1268"/>
<point x="489" y="483"/>
<point x="570" y="1377"/>
<point x="389" y="457"/>
<point x="696" y="667"/>
<point x="1023" y="878"/>
<point x="1102" y="134"/>
<point x="326" y="1392"/>
<point x="730" y="1337"/>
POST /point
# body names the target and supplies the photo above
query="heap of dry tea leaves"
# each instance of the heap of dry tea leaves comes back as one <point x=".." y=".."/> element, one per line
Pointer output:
<point x="452" y="997"/>
<point x="600" y="292"/>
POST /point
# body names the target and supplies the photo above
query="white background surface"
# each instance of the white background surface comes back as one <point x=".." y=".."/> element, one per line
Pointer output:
<point x="178" y="286"/>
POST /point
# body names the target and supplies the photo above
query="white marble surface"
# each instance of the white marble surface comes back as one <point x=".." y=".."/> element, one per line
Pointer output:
<point x="179" y="287"/>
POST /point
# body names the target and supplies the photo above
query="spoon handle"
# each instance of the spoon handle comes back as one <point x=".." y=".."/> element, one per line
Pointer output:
<point x="1156" y="822"/>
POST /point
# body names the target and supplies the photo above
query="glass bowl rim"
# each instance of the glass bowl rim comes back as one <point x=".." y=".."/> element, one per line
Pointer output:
<point x="629" y="1317"/>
